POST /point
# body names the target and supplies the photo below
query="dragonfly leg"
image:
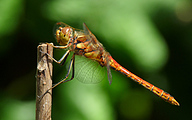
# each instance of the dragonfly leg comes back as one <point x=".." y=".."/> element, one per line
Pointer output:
<point x="59" y="61"/>
<point x="71" y="66"/>
<point x="58" y="47"/>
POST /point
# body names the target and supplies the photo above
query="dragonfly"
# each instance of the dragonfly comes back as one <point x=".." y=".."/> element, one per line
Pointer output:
<point x="83" y="43"/>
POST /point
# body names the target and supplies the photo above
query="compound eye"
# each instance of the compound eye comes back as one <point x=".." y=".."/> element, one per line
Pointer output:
<point x="62" y="33"/>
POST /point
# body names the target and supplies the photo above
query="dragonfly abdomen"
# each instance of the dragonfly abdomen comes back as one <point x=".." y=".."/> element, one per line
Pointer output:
<point x="159" y="92"/>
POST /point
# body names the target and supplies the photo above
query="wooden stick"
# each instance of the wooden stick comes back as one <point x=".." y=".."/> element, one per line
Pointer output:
<point x="44" y="82"/>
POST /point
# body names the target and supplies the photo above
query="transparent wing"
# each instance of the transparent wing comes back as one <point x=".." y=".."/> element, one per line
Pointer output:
<point x="91" y="36"/>
<point x="88" y="71"/>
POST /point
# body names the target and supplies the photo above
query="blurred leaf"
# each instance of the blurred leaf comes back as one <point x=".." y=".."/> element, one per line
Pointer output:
<point x="17" y="110"/>
<point x="138" y="108"/>
<point x="9" y="21"/>
<point x="88" y="100"/>
<point x="10" y="12"/>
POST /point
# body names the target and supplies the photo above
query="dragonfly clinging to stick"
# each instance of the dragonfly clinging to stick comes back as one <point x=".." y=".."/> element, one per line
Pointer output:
<point x="84" y="43"/>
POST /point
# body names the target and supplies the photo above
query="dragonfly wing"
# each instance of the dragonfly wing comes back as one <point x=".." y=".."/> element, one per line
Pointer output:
<point x="90" y="36"/>
<point x="88" y="71"/>
<point x="86" y="29"/>
<point x="98" y="46"/>
<point x="109" y="74"/>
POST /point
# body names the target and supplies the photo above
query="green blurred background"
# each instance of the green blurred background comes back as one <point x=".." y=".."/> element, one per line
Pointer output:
<point x="152" y="38"/>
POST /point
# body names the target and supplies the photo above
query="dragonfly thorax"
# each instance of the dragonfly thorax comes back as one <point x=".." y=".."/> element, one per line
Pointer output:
<point x="63" y="35"/>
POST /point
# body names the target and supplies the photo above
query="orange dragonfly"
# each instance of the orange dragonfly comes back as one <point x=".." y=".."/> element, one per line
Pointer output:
<point x="84" y="44"/>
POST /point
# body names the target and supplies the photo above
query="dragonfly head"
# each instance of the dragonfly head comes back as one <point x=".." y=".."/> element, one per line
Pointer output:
<point x="63" y="35"/>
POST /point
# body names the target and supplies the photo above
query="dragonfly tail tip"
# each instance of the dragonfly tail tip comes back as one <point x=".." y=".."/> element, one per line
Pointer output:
<point x="174" y="102"/>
